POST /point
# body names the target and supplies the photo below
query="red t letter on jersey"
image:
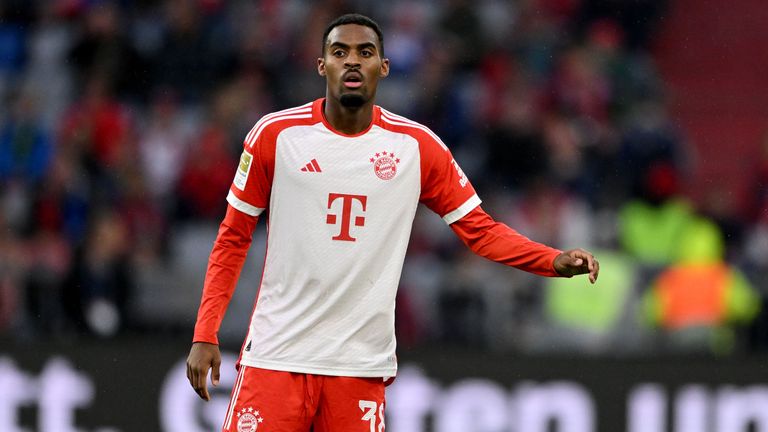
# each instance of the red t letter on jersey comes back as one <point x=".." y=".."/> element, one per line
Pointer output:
<point x="346" y="214"/>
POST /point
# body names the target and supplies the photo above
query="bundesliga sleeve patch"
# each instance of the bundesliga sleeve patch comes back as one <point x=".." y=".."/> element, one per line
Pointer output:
<point x="243" y="168"/>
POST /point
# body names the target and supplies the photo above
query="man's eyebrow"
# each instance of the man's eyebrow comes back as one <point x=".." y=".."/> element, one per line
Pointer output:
<point x="367" y="45"/>
<point x="346" y="46"/>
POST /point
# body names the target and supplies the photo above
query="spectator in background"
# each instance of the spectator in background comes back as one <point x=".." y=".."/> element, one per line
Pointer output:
<point x="462" y="306"/>
<point x="163" y="145"/>
<point x="565" y="141"/>
<point x="461" y="29"/>
<point x="547" y="211"/>
<point x="101" y="282"/>
<point x="408" y="43"/>
<point x="540" y="37"/>
<point x="516" y="151"/>
<point x="649" y="145"/>
<point x="13" y="269"/>
<point x="97" y="130"/>
<point x="580" y="88"/>
<point x="756" y="208"/>
<point x="700" y="299"/>
<point x="49" y="260"/>
<point x="638" y="17"/>
<point x="63" y="200"/>
<point x="755" y="248"/>
<point x="57" y="222"/>
<point x="260" y="49"/>
<point x="577" y="124"/>
<point x="593" y="317"/>
<point x="48" y="74"/>
<point x="14" y="31"/>
<point x="146" y="224"/>
<point x="191" y="59"/>
<point x="756" y="201"/>
<point x="205" y="175"/>
<point x="103" y="50"/>
<point x="651" y="228"/>
<point x="25" y="146"/>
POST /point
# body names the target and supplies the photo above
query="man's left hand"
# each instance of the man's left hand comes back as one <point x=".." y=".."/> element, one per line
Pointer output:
<point x="575" y="262"/>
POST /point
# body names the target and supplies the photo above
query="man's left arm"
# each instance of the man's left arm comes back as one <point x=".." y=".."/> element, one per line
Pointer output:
<point x="498" y="242"/>
<point x="446" y="190"/>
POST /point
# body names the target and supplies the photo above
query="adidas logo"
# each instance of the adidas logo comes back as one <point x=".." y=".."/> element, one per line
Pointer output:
<point x="312" y="166"/>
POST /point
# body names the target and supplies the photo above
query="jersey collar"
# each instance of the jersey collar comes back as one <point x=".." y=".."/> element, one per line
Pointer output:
<point x="317" y="112"/>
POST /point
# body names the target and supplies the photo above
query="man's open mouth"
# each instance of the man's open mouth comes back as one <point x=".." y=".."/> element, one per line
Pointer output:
<point x="353" y="80"/>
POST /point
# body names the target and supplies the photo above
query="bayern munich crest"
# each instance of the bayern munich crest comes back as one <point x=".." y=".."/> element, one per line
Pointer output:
<point x="385" y="165"/>
<point x="248" y="420"/>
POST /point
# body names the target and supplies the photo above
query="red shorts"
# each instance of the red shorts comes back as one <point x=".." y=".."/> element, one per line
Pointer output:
<point x="276" y="401"/>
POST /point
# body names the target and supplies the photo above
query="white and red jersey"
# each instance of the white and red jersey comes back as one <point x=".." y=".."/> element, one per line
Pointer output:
<point x="340" y="211"/>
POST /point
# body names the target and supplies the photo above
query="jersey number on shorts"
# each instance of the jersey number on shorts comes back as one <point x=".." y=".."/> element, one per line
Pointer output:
<point x="369" y="414"/>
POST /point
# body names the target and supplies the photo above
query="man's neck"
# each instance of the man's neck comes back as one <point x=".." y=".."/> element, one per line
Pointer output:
<point x="349" y="121"/>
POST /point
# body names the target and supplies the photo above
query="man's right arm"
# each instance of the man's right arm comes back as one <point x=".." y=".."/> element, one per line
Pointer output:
<point x="248" y="197"/>
<point x="224" y="266"/>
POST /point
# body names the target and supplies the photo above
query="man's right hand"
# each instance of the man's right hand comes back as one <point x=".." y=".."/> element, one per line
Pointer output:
<point x="202" y="357"/>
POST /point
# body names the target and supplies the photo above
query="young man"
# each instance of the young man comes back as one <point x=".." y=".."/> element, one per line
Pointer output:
<point x="341" y="178"/>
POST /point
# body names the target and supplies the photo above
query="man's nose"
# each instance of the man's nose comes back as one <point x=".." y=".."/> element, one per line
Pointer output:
<point x="352" y="61"/>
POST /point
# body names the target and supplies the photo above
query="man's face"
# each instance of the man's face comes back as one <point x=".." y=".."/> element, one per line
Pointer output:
<point x="352" y="64"/>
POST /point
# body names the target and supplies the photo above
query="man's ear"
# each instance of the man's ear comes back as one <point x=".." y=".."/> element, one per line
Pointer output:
<point x="384" y="68"/>
<point x="321" y="66"/>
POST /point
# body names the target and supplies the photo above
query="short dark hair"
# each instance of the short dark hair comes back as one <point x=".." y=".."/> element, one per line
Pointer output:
<point x="354" y="18"/>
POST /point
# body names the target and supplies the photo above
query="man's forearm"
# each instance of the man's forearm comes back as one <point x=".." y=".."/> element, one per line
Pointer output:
<point x="224" y="265"/>
<point x="498" y="242"/>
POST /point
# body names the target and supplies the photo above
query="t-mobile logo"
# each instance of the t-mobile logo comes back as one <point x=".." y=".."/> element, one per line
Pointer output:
<point x="346" y="214"/>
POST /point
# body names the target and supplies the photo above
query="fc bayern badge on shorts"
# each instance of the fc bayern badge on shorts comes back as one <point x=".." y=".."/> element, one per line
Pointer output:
<point x="385" y="165"/>
<point x="248" y="420"/>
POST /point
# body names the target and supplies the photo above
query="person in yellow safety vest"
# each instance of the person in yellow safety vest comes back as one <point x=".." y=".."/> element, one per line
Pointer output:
<point x="698" y="299"/>
<point x="586" y="317"/>
<point x="651" y="225"/>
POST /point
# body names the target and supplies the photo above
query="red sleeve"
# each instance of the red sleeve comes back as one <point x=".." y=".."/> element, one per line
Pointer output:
<point x="500" y="243"/>
<point x="445" y="188"/>
<point x="252" y="184"/>
<point x="224" y="265"/>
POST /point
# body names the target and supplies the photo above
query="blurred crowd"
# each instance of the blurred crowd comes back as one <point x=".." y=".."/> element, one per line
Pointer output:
<point x="122" y="122"/>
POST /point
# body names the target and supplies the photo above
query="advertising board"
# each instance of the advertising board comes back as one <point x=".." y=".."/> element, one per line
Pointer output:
<point x="140" y="385"/>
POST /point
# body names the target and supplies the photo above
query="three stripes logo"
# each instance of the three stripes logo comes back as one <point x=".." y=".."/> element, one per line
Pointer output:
<point x="312" y="166"/>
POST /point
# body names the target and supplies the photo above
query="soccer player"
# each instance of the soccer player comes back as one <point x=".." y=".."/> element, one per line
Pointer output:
<point x="341" y="179"/>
